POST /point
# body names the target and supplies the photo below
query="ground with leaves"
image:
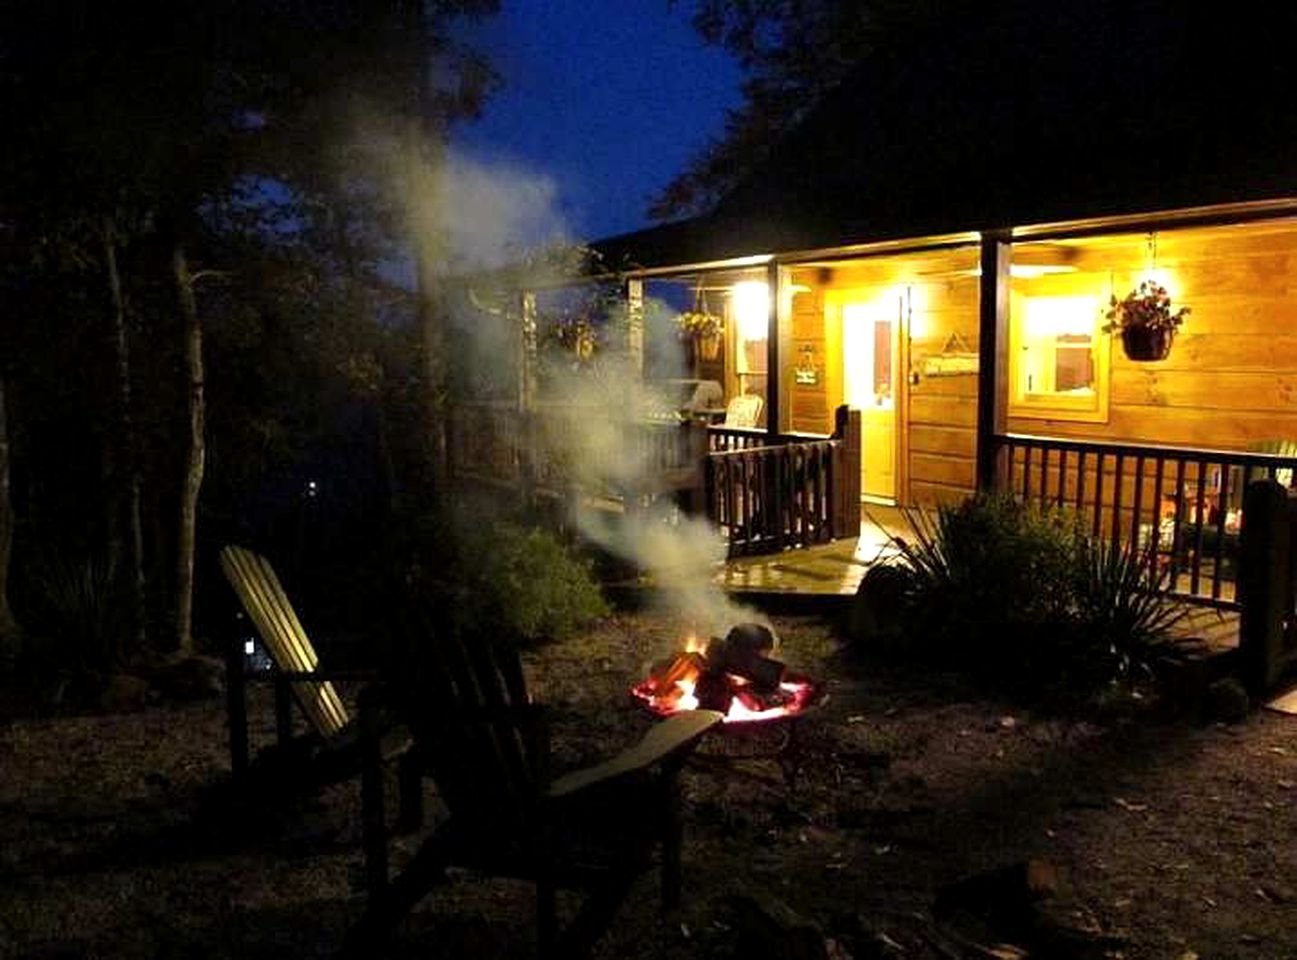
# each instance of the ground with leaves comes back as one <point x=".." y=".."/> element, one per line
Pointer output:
<point x="1155" y="839"/>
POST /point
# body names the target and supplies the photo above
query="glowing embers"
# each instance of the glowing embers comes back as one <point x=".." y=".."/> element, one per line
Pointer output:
<point x="735" y="675"/>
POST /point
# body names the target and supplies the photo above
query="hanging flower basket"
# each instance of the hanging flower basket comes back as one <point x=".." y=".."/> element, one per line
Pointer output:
<point x="702" y="327"/>
<point x="1147" y="343"/>
<point x="709" y="346"/>
<point x="696" y="324"/>
<point x="1145" y="320"/>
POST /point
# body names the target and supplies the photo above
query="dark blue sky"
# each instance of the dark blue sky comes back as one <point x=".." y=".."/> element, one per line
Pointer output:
<point x="608" y="98"/>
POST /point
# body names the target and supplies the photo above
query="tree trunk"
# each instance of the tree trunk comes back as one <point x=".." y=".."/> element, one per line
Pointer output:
<point x="431" y="325"/>
<point x="193" y="480"/>
<point x="8" y="623"/>
<point x="126" y="496"/>
<point x="423" y="138"/>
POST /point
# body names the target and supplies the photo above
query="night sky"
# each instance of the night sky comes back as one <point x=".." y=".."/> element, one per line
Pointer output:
<point x="607" y="99"/>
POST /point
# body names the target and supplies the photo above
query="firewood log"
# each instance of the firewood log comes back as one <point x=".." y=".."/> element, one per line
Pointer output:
<point x="713" y="691"/>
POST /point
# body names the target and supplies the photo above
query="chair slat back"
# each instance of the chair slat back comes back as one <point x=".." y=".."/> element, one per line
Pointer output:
<point x="470" y="718"/>
<point x="264" y="600"/>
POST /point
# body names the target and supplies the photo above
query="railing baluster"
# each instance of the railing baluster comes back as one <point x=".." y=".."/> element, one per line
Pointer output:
<point x="1158" y="498"/>
<point x="823" y="456"/>
<point x="1138" y="503"/>
<point x="1062" y="476"/>
<point x="1044" y="474"/>
<point x="800" y="538"/>
<point x="1116" y="500"/>
<point x="1177" y="532"/>
<point x="778" y="507"/>
<point x="1199" y="504"/>
<point x="1222" y="508"/>
<point x="734" y="500"/>
<point x="1097" y="519"/>
<point x="1080" y="480"/>
<point x="753" y="494"/>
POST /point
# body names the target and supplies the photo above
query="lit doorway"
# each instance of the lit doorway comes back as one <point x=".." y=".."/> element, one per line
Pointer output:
<point x="869" y="354"/>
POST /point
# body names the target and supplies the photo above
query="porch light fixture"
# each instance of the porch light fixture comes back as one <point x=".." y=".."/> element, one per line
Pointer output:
<point x="752" y="309"/>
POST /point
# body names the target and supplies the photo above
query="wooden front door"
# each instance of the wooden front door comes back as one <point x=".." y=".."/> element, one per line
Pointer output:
<point x="870" y="334"/>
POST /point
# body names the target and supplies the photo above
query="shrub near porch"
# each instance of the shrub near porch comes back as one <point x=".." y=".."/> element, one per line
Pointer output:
<point x="1021" y="601"/>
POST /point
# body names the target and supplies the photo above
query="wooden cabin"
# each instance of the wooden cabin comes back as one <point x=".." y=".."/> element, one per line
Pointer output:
<point x="938" y="243"/>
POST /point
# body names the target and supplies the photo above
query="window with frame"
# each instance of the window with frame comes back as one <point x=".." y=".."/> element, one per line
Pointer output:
<point x="1058" y="359"/>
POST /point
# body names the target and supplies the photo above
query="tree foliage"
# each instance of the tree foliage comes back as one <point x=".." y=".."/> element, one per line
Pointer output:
<point x="792" y="52"/>
<point x="247" y="136"/>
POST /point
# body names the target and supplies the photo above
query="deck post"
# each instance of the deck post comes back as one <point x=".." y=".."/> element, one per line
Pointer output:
<point x="778" y="346"/>
<point x="846" y="480"/>
<point x="635" y="325"/>
<point x="1264" y="583"/>
<point x="993" y="357"/>
<point x="527" y="357"/>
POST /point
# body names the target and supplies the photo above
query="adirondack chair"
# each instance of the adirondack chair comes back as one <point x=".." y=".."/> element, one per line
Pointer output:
<point x="333" y="741"/>
<point x="485" y="745"/>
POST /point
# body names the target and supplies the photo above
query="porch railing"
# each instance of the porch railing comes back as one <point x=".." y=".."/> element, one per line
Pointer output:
<point x="792" y="490"/>
<point x="721" y="439"/>
<point x="1184" y="505"/>
<point x="771" y="497"/>
<point x="548" y="449"/>
<point x="764" y="492"/>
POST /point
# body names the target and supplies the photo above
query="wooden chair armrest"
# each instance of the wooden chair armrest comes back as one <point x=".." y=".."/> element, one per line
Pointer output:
<point x="678" y="732"/>
<point x="316" y="676"/>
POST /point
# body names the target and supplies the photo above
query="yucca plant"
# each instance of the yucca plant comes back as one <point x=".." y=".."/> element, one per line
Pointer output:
<point x="1123" y="605"/>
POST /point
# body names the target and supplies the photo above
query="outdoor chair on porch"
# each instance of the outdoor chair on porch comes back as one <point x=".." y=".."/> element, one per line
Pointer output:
<point x="1210" y="518"/>
<point x="744" y="411"/>
<point x="485" y="745"/>
<point x="330" y="749"/>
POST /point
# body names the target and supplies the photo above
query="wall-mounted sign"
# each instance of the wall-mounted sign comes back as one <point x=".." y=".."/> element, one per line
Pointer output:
<point x="950" y="364"/>
<point x="807" y="371"/>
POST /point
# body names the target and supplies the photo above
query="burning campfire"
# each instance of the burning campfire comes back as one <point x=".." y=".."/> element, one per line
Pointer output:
<point x="736" y="675"/>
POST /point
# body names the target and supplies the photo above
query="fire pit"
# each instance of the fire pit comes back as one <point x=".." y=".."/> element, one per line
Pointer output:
<point x="736" y="675"/>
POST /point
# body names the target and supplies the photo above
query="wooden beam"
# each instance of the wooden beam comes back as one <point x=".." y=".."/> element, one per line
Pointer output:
<point x="993" y="356"/>
<point x="635" y="324"/>
<point x="527" y="349"/>
<point x="778" y="346"/>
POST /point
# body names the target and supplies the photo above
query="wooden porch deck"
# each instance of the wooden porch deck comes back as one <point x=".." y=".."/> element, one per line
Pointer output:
<point x="827" y="575"/>
<point x="829" y="571"/>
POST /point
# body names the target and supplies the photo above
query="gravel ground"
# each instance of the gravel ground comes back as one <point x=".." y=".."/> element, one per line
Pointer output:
<point x="920" y="816"/>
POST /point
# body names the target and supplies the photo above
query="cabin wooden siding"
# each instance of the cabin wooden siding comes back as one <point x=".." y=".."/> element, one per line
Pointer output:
<point x="1230" y="381"/>
<point x="942" y="419"/>
<point x="814" y="349"/>
<point x="936" y="415"/>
